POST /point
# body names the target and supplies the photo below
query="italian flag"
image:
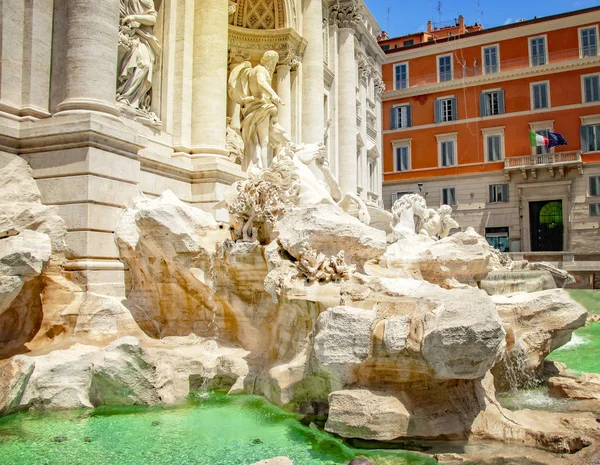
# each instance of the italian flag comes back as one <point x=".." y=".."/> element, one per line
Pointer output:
<point x="535" y="140"/>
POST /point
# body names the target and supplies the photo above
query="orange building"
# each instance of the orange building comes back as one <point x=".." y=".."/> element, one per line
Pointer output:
<point x="457" y="115"/>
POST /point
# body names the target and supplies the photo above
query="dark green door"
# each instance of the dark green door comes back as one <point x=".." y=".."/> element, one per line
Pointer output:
<point x="546" y="222"/>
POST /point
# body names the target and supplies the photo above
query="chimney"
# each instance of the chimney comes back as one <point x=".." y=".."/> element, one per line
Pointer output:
<point x="429" y="27"/>
<point x="461" y="24"/>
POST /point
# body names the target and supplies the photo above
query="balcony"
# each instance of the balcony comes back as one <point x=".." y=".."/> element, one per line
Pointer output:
<point x="553" y="162"/>
<point x="461" y="73"/>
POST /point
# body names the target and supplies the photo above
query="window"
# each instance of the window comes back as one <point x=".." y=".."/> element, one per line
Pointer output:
<point x="540" y="96"/>
<point x="537" y="51"/>
<point x="594" y="185"/>
<point x="498" y="193"/>
<point x="494" y="148"/>
<point x="385" y="47"/>
<point x="588" y="42"/>
<point x="398" y="195"/>
<point x="449" y="196"/>
<point x="447" y="148"/>
<point x="539" y="150"/>
<point x="401" y="117"/>
<point x="594" y="209"/>
<point x="445" y="68"/>
<point x="591" y="88"/>
<point x="590" y="138"/>
<point x="490" y="59"/>
<point x="372" y="176"/>
<point x="407" y="43"/>
<point x="497" y="238"/>
<point x="444" y="109"/>
<point x="491" y="103"/>
<point x="401" y="76"/>
<point x="402" y="158"/>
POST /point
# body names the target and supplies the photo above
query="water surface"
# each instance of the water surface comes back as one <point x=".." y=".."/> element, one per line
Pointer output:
<point x="214" y="430"/>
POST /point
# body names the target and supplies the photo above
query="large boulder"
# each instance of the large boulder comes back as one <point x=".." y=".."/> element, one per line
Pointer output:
<point x="327" y="229"/>
<point x="536" y="324"/>
<point x="364" y="414"/>
<point x="587" y="386"/>
<point x="24" y="255"/>
<point x="125" y="372"/>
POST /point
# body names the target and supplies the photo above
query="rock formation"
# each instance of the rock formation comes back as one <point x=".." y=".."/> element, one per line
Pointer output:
<point x="305" y="305"/>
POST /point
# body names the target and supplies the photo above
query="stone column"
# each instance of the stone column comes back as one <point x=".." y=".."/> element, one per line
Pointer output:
<point x="346" y="17"/>
<point x="284" y="90"/>
<point x="313" y="124"/>
<point x="91" y="57"/>
<point x="209" y="95"/>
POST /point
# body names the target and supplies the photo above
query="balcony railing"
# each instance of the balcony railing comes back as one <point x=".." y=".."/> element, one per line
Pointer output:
<point x="465" y="72"/>
<point x="542" y="160"/>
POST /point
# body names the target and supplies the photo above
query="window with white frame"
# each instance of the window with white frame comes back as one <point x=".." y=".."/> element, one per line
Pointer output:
<point x="490" y="59"/>
<point x="591" y="88"/>
<point x="402" y="160"/>
<point x="590" y="138"/>
<point x="447" y="149"/>
<point x="444" y="68"/>
<point x="401" y="116"/>
<point x="588" y="41"/>
<point x="537" y="51"/>
<point x="594" y="209"/>
<point x="445" y="109"/>
<point x="398" y="195"/>
<point x="494" y="145"/>
<point x="449" y="196"/>
<point x="372" y="175"/>
<point x="540" y="96"/>
<point x="491" y="103"/>
<point x="498" y="193"/>
<point x="401" y="76"/>
<point x="594" y="186"/>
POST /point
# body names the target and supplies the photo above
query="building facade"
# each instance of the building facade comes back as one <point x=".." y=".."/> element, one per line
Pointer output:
<point x="107" y="100"/>
<point x="457" y="117"/>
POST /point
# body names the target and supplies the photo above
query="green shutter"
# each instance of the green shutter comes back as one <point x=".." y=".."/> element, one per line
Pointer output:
<point x="584" y="139"/>
<point x="482" y="107"/>
<point x="393" y="118"/>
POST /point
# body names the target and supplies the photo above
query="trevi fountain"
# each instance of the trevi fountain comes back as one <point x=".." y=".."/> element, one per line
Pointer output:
<point x="189" y="274"/>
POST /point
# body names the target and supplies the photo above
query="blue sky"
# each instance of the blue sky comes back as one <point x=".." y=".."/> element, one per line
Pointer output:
<point x="411" y="16"/>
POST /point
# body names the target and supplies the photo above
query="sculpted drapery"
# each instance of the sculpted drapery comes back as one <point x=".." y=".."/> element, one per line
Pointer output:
<point x="138" y="49"/>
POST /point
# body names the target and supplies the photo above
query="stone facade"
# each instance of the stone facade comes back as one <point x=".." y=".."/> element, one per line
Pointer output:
<point x="108" y="100"/>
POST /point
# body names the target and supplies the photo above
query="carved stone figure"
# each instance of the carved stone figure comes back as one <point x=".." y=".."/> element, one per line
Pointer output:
<point x="234" y="143"/>
<point x="411" y="216"/>
<point x="251" y="89"/>
<point x="138" y="49"/>
<point x="446" y="220"/>
<point x="314" y="266"/>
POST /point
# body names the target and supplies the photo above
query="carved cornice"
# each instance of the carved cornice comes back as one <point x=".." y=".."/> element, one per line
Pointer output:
<point x="379" y="85"/>
<point x="232" y="8"/>
<point x="251" y="44"/>
<point x="345" y="15"/>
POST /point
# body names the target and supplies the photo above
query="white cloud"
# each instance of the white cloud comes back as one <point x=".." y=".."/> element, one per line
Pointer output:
<point x="508" y="21"/>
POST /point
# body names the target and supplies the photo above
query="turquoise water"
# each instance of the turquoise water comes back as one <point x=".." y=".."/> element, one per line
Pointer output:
<point x="582" y="353"/>
<point x="216" y="430"/>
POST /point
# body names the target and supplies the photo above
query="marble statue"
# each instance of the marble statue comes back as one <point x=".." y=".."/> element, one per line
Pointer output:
<point x="138" y="49"/>
<point x="251" y="89"/>
<point x="411" y="215"/>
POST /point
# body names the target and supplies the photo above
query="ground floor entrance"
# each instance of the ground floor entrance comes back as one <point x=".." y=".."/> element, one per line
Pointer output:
<point x="546" y="225"/>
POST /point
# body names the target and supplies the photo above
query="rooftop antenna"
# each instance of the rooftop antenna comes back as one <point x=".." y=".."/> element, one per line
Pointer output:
<point x="439" y="10"/>
<point x="479" y="12"/>
<point x="387" y="26"/>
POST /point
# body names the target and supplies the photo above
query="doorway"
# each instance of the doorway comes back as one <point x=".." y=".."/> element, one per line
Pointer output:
<point x="546" y="222"/>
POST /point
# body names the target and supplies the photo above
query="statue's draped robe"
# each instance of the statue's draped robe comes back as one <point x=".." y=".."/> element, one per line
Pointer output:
<point x="136" y="66"/>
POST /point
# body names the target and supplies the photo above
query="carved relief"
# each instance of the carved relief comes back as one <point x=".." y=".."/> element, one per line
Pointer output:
<point x="314" y="266"/>
<point x="346" y="15"/>
<point x="379" y="85"/>
<point x="138" y="49"/>
<point x="232" y="8"/>
<point x="260" y="14"/>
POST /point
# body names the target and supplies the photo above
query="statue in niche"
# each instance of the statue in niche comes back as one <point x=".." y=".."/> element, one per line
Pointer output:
<point x="138" y="49"/>
<point x="251" y="89"/>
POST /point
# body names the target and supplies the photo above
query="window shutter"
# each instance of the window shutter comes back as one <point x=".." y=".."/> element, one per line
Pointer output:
<point x="491" y="193"/>
<point x="393" y="118"/>
<point x="505" y="192"/>
<point x="501" y="102"/>
<point x="408" y="116"/>
<point x="437" y="111"/>
<point x="594" y="185"/>
<point x="454" y="109"/>
<point x="394" y="198"/>
<point x="482" y="107"/>
<point x="584" y="143"/>
<point x="452" y="196"/>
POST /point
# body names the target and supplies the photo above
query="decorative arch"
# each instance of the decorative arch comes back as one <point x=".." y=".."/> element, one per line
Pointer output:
<point x="264" y="14"/>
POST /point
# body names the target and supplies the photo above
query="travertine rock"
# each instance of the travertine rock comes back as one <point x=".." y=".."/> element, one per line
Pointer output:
<point x="463" y="258"/>
<point x="536" y="324"/>
<point x="275" y="461"/>
<point x="125" y="372"/>
<point x="328" y="230"/>
<point x="587" y="386"/>
<point x="10" y="286"/>
<point x="364" y="414"/>
<point x="24" y="255"/>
